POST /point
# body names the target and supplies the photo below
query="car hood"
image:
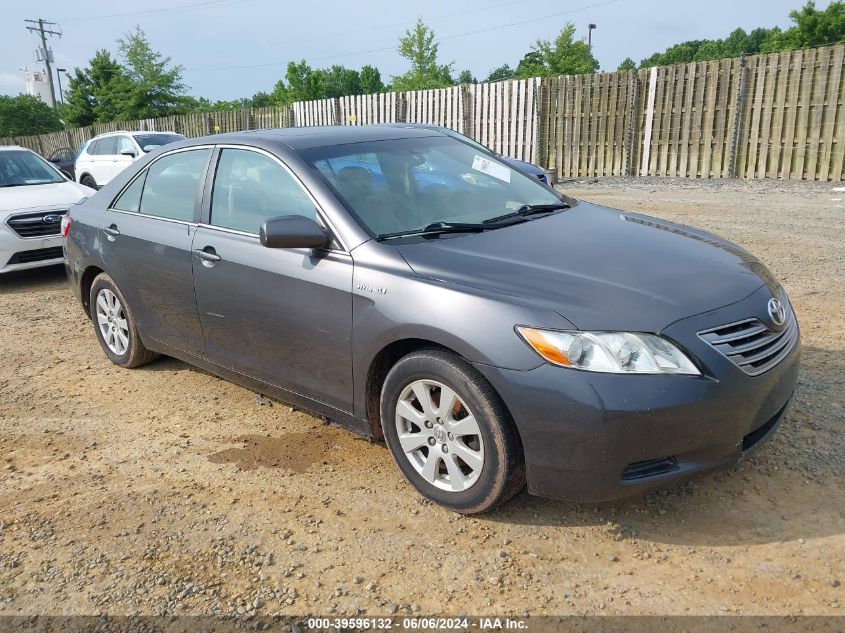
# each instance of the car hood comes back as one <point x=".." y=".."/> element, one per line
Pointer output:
<point x="600" y="268"/>
<point x="36" y="197"/>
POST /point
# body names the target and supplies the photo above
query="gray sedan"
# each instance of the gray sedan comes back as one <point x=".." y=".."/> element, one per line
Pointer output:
<point x="412" y="287"/>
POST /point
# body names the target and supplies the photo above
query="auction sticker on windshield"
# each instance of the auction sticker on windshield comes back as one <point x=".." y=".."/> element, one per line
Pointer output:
<point x="487" y="166"/>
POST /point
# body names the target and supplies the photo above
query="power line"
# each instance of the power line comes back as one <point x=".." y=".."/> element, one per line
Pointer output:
<point x="390" y="48"/>
<point x="195" y="5"/>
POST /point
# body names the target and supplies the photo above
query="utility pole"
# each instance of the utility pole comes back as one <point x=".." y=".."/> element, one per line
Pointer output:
<point x="43" y="29"/>
<point x="590" y="28"/>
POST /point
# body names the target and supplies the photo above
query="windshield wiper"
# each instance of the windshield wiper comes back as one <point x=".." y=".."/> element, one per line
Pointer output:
<point x="439" y="228"/>
<point x="528" y="209"/>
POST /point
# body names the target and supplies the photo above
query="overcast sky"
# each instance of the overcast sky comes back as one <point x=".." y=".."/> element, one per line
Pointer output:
<point x="234" y="48"/>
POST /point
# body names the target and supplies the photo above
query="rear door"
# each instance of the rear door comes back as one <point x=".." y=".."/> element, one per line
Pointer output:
<point x="121" y="161"/>
<point x="283" y="316"/>
<point x="101" y="168"/>
<point x="146" y="237"/>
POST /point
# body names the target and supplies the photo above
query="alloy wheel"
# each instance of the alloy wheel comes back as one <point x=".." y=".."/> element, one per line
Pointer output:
<point x="439" y="435"/>
<point x="111" y="319"/>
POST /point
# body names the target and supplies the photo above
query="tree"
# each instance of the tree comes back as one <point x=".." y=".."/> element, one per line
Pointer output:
<point x="812" y="28"/>
<point x="370" y="78"/>
<point x="155" y="86"/>
<point x="465" y="77"/>
<point x="419" y="48"/>
<point x="627" y="64"/>
<point x="26" y="114"/>
<point x="96" y="94"/>
<point x="340" y="81"/>
<point x="502" y="72"/>
<point x="303" y="84"/>
<point x="564" y="56"/>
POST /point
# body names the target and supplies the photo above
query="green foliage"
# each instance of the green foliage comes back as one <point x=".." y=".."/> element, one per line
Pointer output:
<point x="155" y="87"/>
<point x="26" y="114"/>
<point x="341" y="81"/>
<point x="96" y="94"/>
<point x="564" y="56"/>
<point x="419" y="48"/>
<point x="627" y="64"/>
<point x="502" y="72"/>
<point x="370" y="78"/>
<point x="811" y="27"/>
<point x="465" y="77"/>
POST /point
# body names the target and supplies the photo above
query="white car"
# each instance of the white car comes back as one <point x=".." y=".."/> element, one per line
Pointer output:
<point x="34" y="197"/>
<point x="105" y="156"/>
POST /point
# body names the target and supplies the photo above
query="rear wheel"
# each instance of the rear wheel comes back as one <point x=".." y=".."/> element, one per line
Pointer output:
<point x="88" y="181"/>
<point x="115" y="325"/>
<point x="450" y="433"/>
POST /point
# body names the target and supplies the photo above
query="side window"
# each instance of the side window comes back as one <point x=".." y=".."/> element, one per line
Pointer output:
<point x="125" y="144"/>
<point x="130" y="199"/>
<point x="107" y="146"/>
<point x="172" y="185"/>
<point x="92" y="148"/>
<point x="250" y="188"/>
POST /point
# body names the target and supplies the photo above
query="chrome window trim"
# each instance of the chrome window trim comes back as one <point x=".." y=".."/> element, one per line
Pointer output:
<point x="320" y="211"/>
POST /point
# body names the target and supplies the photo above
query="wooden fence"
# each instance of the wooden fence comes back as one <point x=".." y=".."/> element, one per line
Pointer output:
<point x="780" y="115"/>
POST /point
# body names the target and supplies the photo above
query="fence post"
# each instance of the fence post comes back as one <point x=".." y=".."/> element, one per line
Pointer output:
<point x="467" y="103"/>
<point x="738" y="107"/>
<point x="632" y="120"/>
<point x="401" y="108"/>
<point x="649" y="120"/>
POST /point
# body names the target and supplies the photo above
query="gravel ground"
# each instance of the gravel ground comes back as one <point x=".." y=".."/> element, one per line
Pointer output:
<point x="167" y="490"/>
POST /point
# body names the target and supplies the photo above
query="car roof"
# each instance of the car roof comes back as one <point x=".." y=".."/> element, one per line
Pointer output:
<point x="320" y="136"/>
<point x="133" y="132"/>
<point x="16" y="148"/>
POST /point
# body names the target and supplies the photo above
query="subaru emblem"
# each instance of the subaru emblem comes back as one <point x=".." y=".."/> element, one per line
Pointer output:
<point x="777" y="312"/>
<point x="51" y="219"/>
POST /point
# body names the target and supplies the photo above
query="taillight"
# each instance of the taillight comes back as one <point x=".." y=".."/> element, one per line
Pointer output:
<point x="66" y="222"/>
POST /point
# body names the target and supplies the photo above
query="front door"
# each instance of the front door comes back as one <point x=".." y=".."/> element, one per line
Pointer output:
<point x="283" y="316"/>
<point x="147" y="236"/>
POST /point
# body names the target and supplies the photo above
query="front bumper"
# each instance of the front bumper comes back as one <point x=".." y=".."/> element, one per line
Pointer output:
<point x="595" y="437"/>
<point x="17" y="253"/>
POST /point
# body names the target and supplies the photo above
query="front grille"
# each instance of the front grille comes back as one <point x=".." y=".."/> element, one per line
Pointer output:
<point x="34" y="225"/>
<point x="37" y="255"/>
<point x="752" y="345"/>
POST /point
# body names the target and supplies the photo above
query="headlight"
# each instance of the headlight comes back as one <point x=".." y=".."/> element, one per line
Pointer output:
<point x="612" y="352"/>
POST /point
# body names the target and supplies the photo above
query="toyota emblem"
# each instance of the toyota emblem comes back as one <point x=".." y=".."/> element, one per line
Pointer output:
<point x="777" y="312"/>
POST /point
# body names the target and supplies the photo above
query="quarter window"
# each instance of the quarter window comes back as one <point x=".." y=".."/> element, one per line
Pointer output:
<point x="250" y="188"/>
<point x="173" y="184"/>
<point x="130" y="199"/>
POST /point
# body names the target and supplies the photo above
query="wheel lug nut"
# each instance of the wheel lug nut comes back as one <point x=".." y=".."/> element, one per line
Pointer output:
<point x="445" y="448"/>
<point x="450" y="436"/>
<point x="431" y="441"/>
<point x="428" y="424"/>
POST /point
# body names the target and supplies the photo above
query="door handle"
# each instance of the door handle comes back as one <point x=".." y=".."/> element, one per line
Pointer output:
<point x="207" y="255"/>
<point x="111" y="232"/>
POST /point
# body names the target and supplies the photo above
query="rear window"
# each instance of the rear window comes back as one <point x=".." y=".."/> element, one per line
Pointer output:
<point x="149" y="142"/>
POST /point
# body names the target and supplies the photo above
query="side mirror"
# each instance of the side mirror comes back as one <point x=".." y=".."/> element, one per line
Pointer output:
<point x="292" y="231"/>
<point x="128" y="152"/>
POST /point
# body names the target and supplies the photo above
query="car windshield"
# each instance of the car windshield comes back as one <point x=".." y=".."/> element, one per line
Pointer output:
<point x="408" y="184"/>
<point x="148" y="142"/>
<point x="20" y="168"/>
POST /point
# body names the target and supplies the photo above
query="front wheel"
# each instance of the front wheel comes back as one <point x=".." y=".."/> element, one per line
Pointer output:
<point x="88" y="181"/>
<point x="115" y="325"/>
<point x="450" y="433"/>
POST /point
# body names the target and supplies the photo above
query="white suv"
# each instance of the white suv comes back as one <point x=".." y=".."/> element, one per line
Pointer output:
<point x="34" y="198"/>
<point x="105" y="156"/>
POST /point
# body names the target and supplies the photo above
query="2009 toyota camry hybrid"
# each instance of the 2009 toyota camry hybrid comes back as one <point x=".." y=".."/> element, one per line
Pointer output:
<point x="411" y="286"/>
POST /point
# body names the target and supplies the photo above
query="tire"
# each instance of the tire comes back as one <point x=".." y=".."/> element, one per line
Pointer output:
<point x="110" y="312"/>
<point x="88" y="181"/>
<point x="477" y="426"/>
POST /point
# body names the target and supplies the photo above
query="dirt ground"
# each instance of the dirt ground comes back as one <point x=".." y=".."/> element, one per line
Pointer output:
<point x="167" y="490"/>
